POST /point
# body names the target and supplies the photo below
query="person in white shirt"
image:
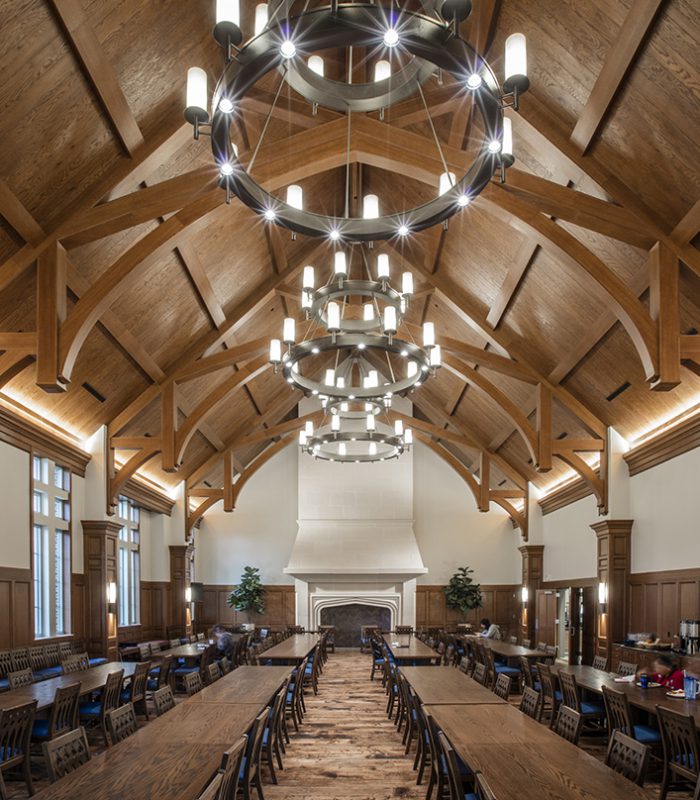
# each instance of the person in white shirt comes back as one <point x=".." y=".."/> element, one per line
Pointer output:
<point x="488" y="630"/>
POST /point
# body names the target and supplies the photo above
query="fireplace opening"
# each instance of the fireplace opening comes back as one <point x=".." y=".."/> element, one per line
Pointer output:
<point x="349" y="619"/>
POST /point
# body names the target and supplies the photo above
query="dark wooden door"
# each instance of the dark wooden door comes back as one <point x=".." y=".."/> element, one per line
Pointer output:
<point x="588" y="624"/>
<point x="546" y="623"/>
<point x="575" y="625"/>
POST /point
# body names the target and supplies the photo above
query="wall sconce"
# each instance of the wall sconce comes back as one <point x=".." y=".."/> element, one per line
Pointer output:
<point x="524" y="595"/>
<point x="188" y="594"/>
<point x="112" y="597"/>
<point x="603" y="596"/>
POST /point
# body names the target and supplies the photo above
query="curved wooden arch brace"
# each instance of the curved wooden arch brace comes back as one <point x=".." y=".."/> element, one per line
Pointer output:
<point x="509" y="408"/>
<point x="598" y="485"/>
<point x="518" y="518"/>
<point x="291" y="425"/>
<point x="237" y="381"/>
<point x="194" y="516"/>
<point x="226" y="358"/>
<point x="126" y="471"/>
<point x="123" y="273"/>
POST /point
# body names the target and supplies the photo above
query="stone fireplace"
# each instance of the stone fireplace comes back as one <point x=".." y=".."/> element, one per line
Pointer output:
<point x="348" y="619"/>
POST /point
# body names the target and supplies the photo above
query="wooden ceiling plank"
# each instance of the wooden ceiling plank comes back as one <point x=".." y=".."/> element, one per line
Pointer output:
<point x="99" y="71"/>
<point x="17" y="216"/>
<point x="200" y="280"/>
<point x="514" y="277"/>
<point x="617" y="63"/>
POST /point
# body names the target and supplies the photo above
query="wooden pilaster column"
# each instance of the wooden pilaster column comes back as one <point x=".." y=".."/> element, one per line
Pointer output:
<point x="100" y="543"/>
<point x="614" y="550"/>
<point x="180" y="579"/>
<point x="532" y="555"/>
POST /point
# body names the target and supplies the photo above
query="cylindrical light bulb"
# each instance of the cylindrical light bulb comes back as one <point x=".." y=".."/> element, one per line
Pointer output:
<point x="197" y="89"/>
<point x="309" y="278"/>
<point x="333" y="315"/>
<point x="370" y="206"/>
<point x="408" y="436"/>
<point x="342" y="449"/>
<point x="368" y="312"/>
<point x="411" y="369"/>
<point x="340" y="264"/>
<point x="390" y="320"/>
<point x="516" y="56"/>
<point x="373" y="448"/>
<point x="316" y="65"/>
<point x="435" y="356"/>
<point x="295" y="196"/>
<point x="383" y="266"/>
<point x="340" y="383"/>
<point x="373" y="376"/>
<point x="309" y="428"/>
<point x="275" y="351"/>
<point x="289" y="331"/>
<point x="330" y="377"/>
<point x="398" y="427"/>
<point x="345" y="407"/>
<point x="261" y="16"/>
<point x="305" y="299"/>
<point x="447" y="181"/>
<point x="335" y="423"/>
<point x="507" y="146"/>
<point x="228" y="11"/>
<point x="371" y="423"/>
<point x="303" y="438"/>
<point x="407" y="284"/>
<point x="382" y="70"/>
<point x="428" y="334"/>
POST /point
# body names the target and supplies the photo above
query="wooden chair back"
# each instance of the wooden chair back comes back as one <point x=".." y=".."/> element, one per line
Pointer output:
<point x="144" y="652"/>
<point x="542" y="647"/>
<point x="549" y="695"/>
<point x="51" y="654"/>
<point x="63" y="716"/>
<point x="22" y="677"/>
<point x="449" y="756"/>
<point x="569" y="691"/>
<point x="66" y="753"/>
<point x="111" y="694"/>
<point x="490" y="664"/>
<point x="15" y="732"/>
<point x="531" y="703"/>
<point x="213" y="672"/>
<point x="64" y="650"/>
<point x="231" y="769"/>
<point x="480" y="674"/>
<point x="628" y="757"/>
<point x="513" y="639"/>
<point x="121" y="723"/>
<point x="526" y="670"/>
<point x="600" y="662"/>
<point x="483" y="790"/>
<point x="137" y="686"/>
<point x="174" y="643"/>
<point x="679" y="738"/>
<point x="527" y="643"/>
<point x="502" y="686"/>
<point x="200" y="637"/>
<point x="193" y="683"/>
<point x="156" y="648"/>
<point x="212" y="790"/>
<point x="225" y="665"/>
<point x="166" y="664"/>
<point x="70" y="664"/>
<point x="617" y="710"/>
<point x="20" y="659"/>
<point x="37" y="658"/>
<point x="626" y="668"/>
<point x="163" y="700"/>
<point x="568" y="724"/>
<point x="251" y="770"/>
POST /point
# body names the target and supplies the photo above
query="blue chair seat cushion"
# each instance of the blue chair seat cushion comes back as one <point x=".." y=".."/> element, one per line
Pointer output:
<point x="152" y="684"/>
<point x="646" y="734"/>
<point x="47" y="672"/>
<point x="40" y="729"/>
<point x="503" y="669"/>
<point x="592" y="708"/>
<point x="125" y="696"/>
<point x="266" y="737"/>
<point x="6" y="753"/>
<point x="4" y="683"/>
<point x="464" y="770"/>
<point x="185" y="670"/>
<point x="244" y="762"/>
<point x="90" y="709"/>
<point x="95" y="662"/>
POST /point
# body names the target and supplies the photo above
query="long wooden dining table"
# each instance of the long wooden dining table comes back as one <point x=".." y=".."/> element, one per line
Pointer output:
<point x="447" y="685"/>
<point x="292" y="650"/>
<point x="407" y="649"/>
<point x="508" y="650"/>
<point x="90" y="680"/>
<point x="593" y="680"/>
<point x="522" y="758"/>
<point x="175" y="756"/>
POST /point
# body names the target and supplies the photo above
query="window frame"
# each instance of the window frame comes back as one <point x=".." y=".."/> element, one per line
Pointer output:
<point x="128" y="562"/>
<point x="56" y="548"/>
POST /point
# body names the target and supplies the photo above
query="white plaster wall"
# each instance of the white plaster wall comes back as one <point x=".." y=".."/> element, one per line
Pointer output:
<point x="14" y="507"/>
<point x="665" y="507"/>
<point x="570" y="549"/>
<point x="259" y="533"/>
<point x="452" y="532"/>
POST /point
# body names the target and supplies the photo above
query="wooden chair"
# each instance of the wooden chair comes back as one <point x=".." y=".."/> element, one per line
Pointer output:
<point x="423" y="754"/>
<point x="156" y="648"/>
<point x="212" y="790"/>
<point x="600" y="662"/>
<point x="200" y="637"/>
<point x="619" y="716"/>
<point x="568" y="724"/>
<point x="526" y="672"/>
<point x="542" y="647"/>
<point x="312" y="670"/>
<point x="225" y="665"/>
<point x="70" y="665"/>
<point x="590" y="711"/>
<point x="527" y="643"/>
<point x="230" y="771"/>
<point x="455" y="777"/>
<point x="159" y="676"/>
<point x="144" y="652"/>
<point x="502" y="686"/>
<point x="63" y="716"/>
<point x="193" y="683"/>
<point x="272" y="738"/>
<point x="213" y="672"/>
<point x="94" y="712"/>
<point x="15" y="732"/>
<point x="493" y="669"/>
<point x="121" y="723"/>
<point x="628" y="757"/>
<point x="480" y="674"/>
<point x="531" y="703"/>
<point x="22" y="677"/>
<point x="626" y="668"/>
<point x="377" y="658"/>
<point x="679" y="738"/>
<point x="551" y="696"/>
<point x="66" y="753"/>
<point x="174" y="643"/>
<point x="20" y="659"/>
<point x="250" y="772"/>
<point x="513" y="639"/>
<point x="696" y="794"/>
<point x="483" y="790"/>
<point x="135" y="693"/>
<point x="163" y="700"/>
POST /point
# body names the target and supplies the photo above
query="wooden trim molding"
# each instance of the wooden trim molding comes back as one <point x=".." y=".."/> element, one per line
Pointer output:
<point x="664" y="447"/>
<point x="148" y="498"/>
<point x="18" y="432"/>
<point x="565" y="496"/>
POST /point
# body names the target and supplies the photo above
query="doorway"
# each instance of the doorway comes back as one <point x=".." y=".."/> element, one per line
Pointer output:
<point x="566" y="617"/>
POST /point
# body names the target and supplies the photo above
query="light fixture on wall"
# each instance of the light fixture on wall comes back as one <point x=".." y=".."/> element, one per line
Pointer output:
<point x="111" y="597"/>
<point x="188" y="594"/>
<point x="524" y="595"/>
<point x="603" y="596"/>
<point x="414" y="45"/>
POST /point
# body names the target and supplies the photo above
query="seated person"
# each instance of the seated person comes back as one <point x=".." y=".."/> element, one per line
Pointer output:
<point x="665" y="671"/>
<point x="489" y="630"/>
<point x="223" y="641"/>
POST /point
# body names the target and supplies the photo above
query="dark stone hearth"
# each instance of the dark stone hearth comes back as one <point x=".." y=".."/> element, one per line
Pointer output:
<point x="349" y="619"/>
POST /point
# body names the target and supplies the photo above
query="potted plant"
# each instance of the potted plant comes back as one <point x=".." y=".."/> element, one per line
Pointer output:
<point x="461" y="593"/>
<point x="249" y="595"/>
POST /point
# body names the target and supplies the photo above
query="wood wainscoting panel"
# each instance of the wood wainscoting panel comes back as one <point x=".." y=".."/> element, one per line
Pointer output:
<point x="16" y="627"/>
<point x="280" y="608"/>
<point x="78" y="605"/>
<point x="659" y="600"/>
<point x="155" y="602"/>
<point x="499" y="605"/>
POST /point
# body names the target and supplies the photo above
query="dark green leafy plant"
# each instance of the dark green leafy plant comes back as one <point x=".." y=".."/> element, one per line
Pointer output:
<point x="461" y="592"/>
<point x="249" y="595"/>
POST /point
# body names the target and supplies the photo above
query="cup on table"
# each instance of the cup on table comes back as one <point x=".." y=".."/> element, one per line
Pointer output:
<point x="644" y="680"/>
<point x="690" y="685"/>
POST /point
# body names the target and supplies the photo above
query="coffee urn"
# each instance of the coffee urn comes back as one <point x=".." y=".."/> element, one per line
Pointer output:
<point x="689" y="635"/>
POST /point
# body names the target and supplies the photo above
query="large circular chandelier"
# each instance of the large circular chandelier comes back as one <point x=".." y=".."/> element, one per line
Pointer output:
<point x="413" y="47"/>
<point x="356" y="323"/>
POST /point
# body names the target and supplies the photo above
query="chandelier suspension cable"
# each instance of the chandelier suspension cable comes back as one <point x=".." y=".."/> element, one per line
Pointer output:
<point x="435" y="136"/>
<point x="267" y="121"/>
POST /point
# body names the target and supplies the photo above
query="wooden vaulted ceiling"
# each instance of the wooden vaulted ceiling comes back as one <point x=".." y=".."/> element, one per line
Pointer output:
<point x="538" y="270"/>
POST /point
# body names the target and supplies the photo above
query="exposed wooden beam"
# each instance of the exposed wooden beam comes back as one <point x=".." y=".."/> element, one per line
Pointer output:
<point x="50" y="312"/>
<point x="516" y="272"/>
<point x="664" y="307"/>
<point x="689" y="227"/>
<point x="17" y="216"/>
<point x="616" y="65"/>
<point x="99" y="71"/>
<point x="200" y="280"/>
